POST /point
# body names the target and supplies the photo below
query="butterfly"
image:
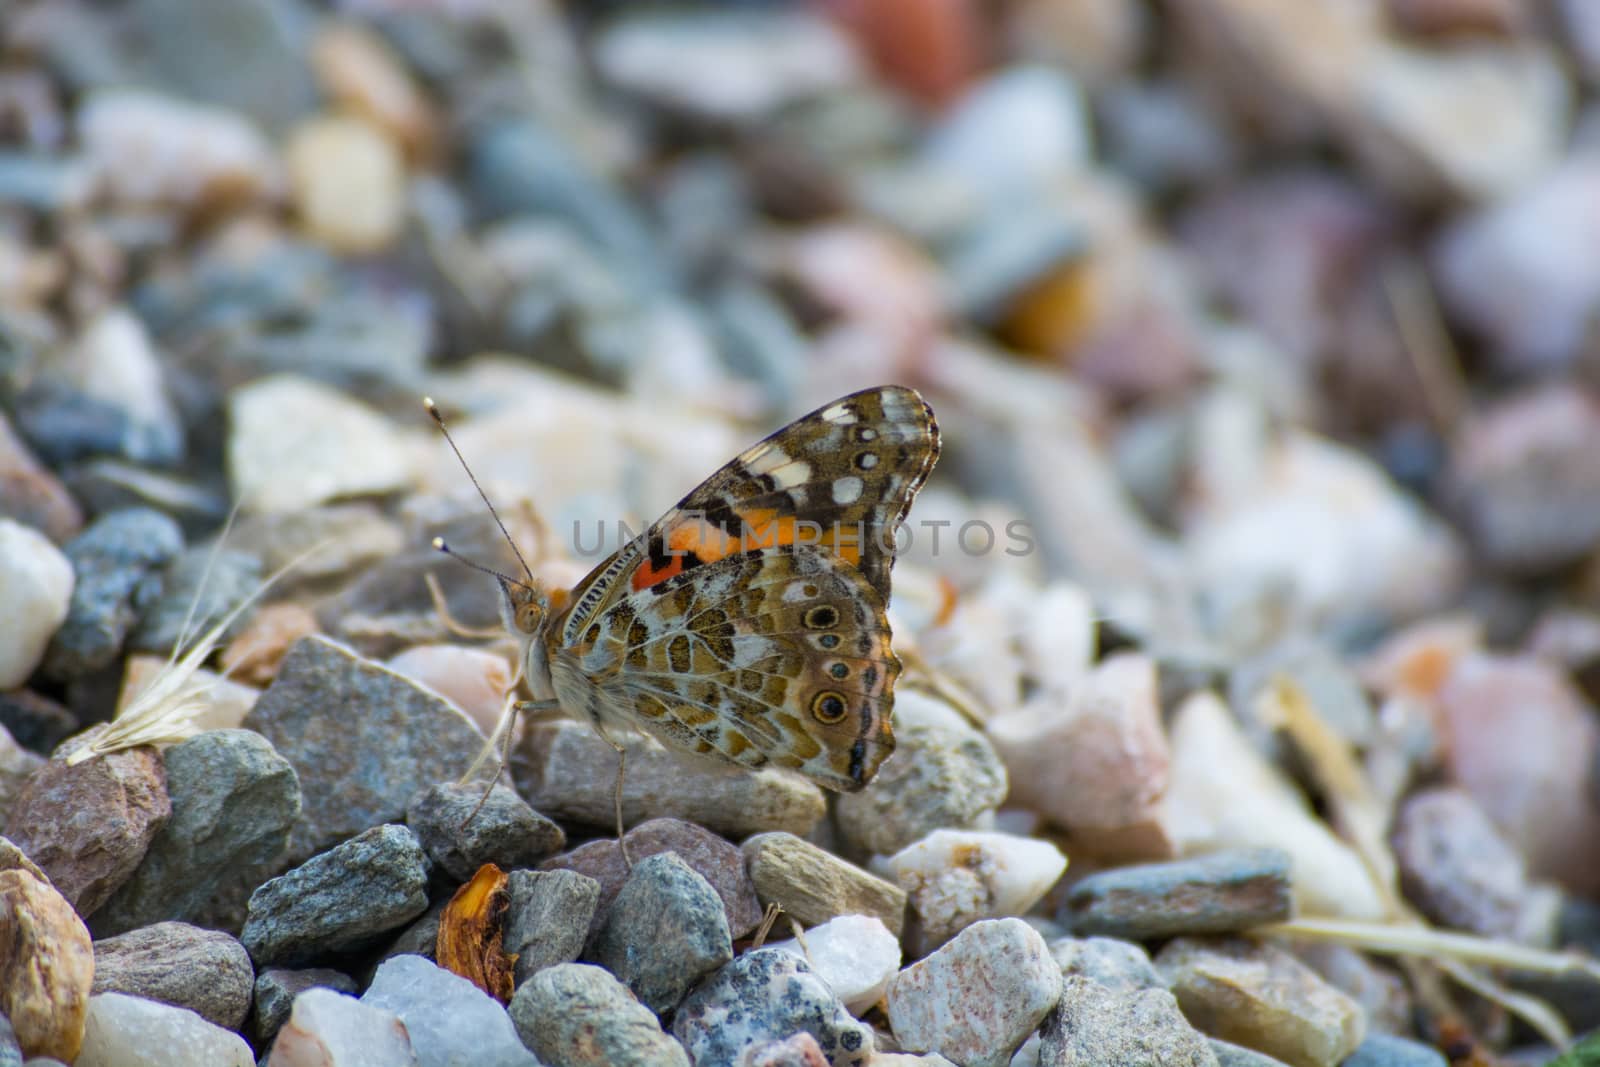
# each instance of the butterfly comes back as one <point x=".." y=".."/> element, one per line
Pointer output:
<point x="748" y="623"/>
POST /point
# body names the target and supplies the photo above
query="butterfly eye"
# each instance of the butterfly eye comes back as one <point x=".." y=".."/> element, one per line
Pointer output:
<point x="821" y="617"/>
<point x="828" y="707"/>
<point x="529" y="616"/>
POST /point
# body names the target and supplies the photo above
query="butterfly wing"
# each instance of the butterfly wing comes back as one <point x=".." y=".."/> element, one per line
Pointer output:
<point x="778" y="656"/>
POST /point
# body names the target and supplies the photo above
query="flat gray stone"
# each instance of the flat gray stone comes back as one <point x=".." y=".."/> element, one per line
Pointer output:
<point x="363" y="739"/>
<point x="1231" y="1055"/>
<point x="814" y="885"/>
<point x="1093" y="1025"/>
<point x="1216" y="894"/>
<point x="460" y="836"/>
<point x="1385" y="1050"/>
<point x="276" y="988"/>
<point x="206" y="971"/>
<point x="548" y="919"/>
<point x="345" y="898"/>
<point x="577" y="1015"/>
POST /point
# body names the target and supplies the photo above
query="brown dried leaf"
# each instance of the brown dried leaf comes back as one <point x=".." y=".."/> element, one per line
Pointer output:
<point x="470" y="932"/>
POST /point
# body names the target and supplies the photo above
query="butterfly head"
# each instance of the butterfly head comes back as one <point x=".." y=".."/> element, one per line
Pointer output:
<point x="524" y="606"/>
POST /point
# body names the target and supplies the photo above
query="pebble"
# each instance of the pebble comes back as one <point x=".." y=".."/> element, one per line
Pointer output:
<point x="936" y="778"/>
<point x="813" y="885"/>
<point x="474" y="679"/>
<point x="149" y="149"/>
<point x="1447" y="18"/>
<point x="665" y="930"/>
<point x="954" y="878"/>
<point x="16" y="764"/>
<point x="1015" y="134"/>
<point x="715" y="859"/>
<point x="503" y="831"/>
<point x="763" y="996"/>
<point x="1097" y="766"/>
<point x="127" y="1031"/>
<point x="30" y="494"/>
<point x="421" y="938"/>
<point x="568" y="773"/>
<point x="342" y="899"/>
<point x="252" y="657"/>
<point x="110" y="558"/>
<point x="1131" y="1028"/>
<point x="1221" y="893"/>
<point x="855" y="955"/>
<point x="205" y="971"/>
<point x="294" y="443"/>
<point x="801" y="1050"/>
<point x="359" y="72"/>
<point x="935" y="1006"/>
<point x="1332" y="687"/>
<point x="347" y="181"/>
<point x="13" y="858"/>
<point x="1457" y="868"/>
<point x="1259" y="996"/>
<point x="548" y="919"/>
<point x="1230" y="1055"/>
<point x="1117" y="965"/>
<point x="114" y="362"/>
<point x="329" y="1028"/>
<point x="276" y="989"/>
<point x="363" y="767"/>
<point x="234" y="801"/>
<point x="1224" y="795"/>
<point x="190" y="596"/>
<point x="577" y="1015"/>
<point x="219" y="704"/>
<point x="88" y="826"/>
<point x="1386" y="1050"/>
<point x="449" y="1019"/>
<point x="346" y="537"/>
<point x="37" y="723"/>
<point x="36" y="583"/>
<point x="46" y="966"/>
<point x="1520" y="739"/>
<point x="1384" y="997"/>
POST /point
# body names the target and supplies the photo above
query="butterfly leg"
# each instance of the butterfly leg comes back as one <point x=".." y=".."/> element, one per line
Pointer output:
<point x="616" y="792"/>
<point x="508" y="729"/>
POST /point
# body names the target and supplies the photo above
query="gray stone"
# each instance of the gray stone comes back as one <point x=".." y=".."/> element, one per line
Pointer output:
<point x="345" y="898"/>
<point x="206" y="971"/>
<point x="110" y="559"/>
<point x="1457" y="867"/>
<point x="1093" y="1025"/>
<point x="716" y="860"/>
<point x="276" y="988"/>
<point x="1117" y="965"/>
<point x="1231" y="1055"/>
<point x="814" y="885"/>
<point x="575" y="1015"/>
<point x="504" y="831"/>
<point x="421" y="938"/>
<point x="363" y="739"/>
<point x="448" y="1019"/>
<point x="664" y="932"/>
<point x="764" y="996"/>
<point x="190" y="595"/>
<point x="38" y="723"/>
<point x="548" y="919"/>
<point x="1220" y="893"/>
<point x="16" y="763"/>
<point x="234" y="801"/>
<point x="939" y="777"/>
<point x="1384" y="1050"/>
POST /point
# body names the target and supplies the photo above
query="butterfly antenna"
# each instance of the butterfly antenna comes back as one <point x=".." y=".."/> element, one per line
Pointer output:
<point x="438" y="419"/>
<point x="440" y="546"/>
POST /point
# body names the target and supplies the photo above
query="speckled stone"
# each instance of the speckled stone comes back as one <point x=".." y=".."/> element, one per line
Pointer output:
<point x="46" y="966"/>
<point x="206" y="971"/>
<point x="276" y="988"/>
<point x="547" y="921"/>
<point x="577" y="1015"/>
<point x="504" y="831"/>
<point x="1140" y="1028"/>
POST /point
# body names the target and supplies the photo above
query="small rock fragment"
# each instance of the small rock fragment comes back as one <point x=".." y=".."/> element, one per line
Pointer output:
<point x="1259" y="996"/>
<point x="979" y="997"/>
<point x="449" y="1019"/>
<point x="348" y="182"/>
<point x="46" y="967"/>
<point x="16" y="765"/>
<point x="814" y="885"/>
<point x="1220" y="893"/>
<point x="276" y="989"/>
<point x="1385" y="1050"/>
<point x="547" y="921"/>
<point x="205" y="971"/>
<point x="665" y="930"/>
<point x="125" y="1031"/>
<point x="342" y="899"/>
<point x="954" y="878"/>
<point x="36" y="583"/>
<point x="1117" y="965"/>
<point x="801" y="1050"/>
<point x="325" y="1027"/>
<point x="504" y="831"/>
<point x="474" y="679"/>
<point x="253" y="655"/>
<point x="576" y="1015"/>
<point x="855" y="954"/>
<point x="1231" y="1055"/>
<point x="1133" y="1028"/>
<point x="763" y="996"/>
<point x="31" y="494"/>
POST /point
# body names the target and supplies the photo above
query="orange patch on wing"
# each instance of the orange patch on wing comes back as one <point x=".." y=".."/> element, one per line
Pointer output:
<point x="688" y="537"/>
<point x="765" y="528"/>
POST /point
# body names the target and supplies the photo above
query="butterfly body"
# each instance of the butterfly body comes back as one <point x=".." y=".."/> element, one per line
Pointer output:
<point x="748" y="623"/>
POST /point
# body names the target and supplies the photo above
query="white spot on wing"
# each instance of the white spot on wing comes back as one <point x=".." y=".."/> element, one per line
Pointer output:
<point x="839" y="413"/>
<point x="847" y="490"/>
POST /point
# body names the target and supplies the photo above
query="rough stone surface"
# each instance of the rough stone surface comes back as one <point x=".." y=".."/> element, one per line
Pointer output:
<point x="1261" y="997"/>
<point x="276" y="988"/>
<point x="234" y="800"/>
<point x="813" y="885"/>
<point x="1216" y="894"/>
<point x="855" y="954"/>
<point x="979" y="997"/>
<point x="576" y="1015"/>
<point x="205" y="971"/>
<point x="111" y="559"/>
<point x="325" y="1027"/>
<point x="343" y="899"/>
<point x="939" y="777"/>
<point x="1093" y="1025"/>
<point x="449" y="1019"/>
<point x="360" y="767"/>
<point x="46" y="966"/>
<point x="1117" y="965"/>
<point x="800" y="1050"/>
<point x="89" y="825"/>
<point x="763" y="996"/>
<point x="567" y="772"/>
<point x="665" y="930"/>
<point x="504" y="831"/>
<point x="125" y="1031"/>
<point x="717" y="861"/>
<point x="548" y="919"/>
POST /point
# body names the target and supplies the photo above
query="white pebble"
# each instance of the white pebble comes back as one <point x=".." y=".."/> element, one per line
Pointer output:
<point x="450" y="1020"/>
<point x="124" y="1031"/>
<point x="329" y="1029"/>
<point x="349" y="183"/>
<point x="855" y="954"/>
<point x="475" y="680"/>
<point x="35" y="589"/>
